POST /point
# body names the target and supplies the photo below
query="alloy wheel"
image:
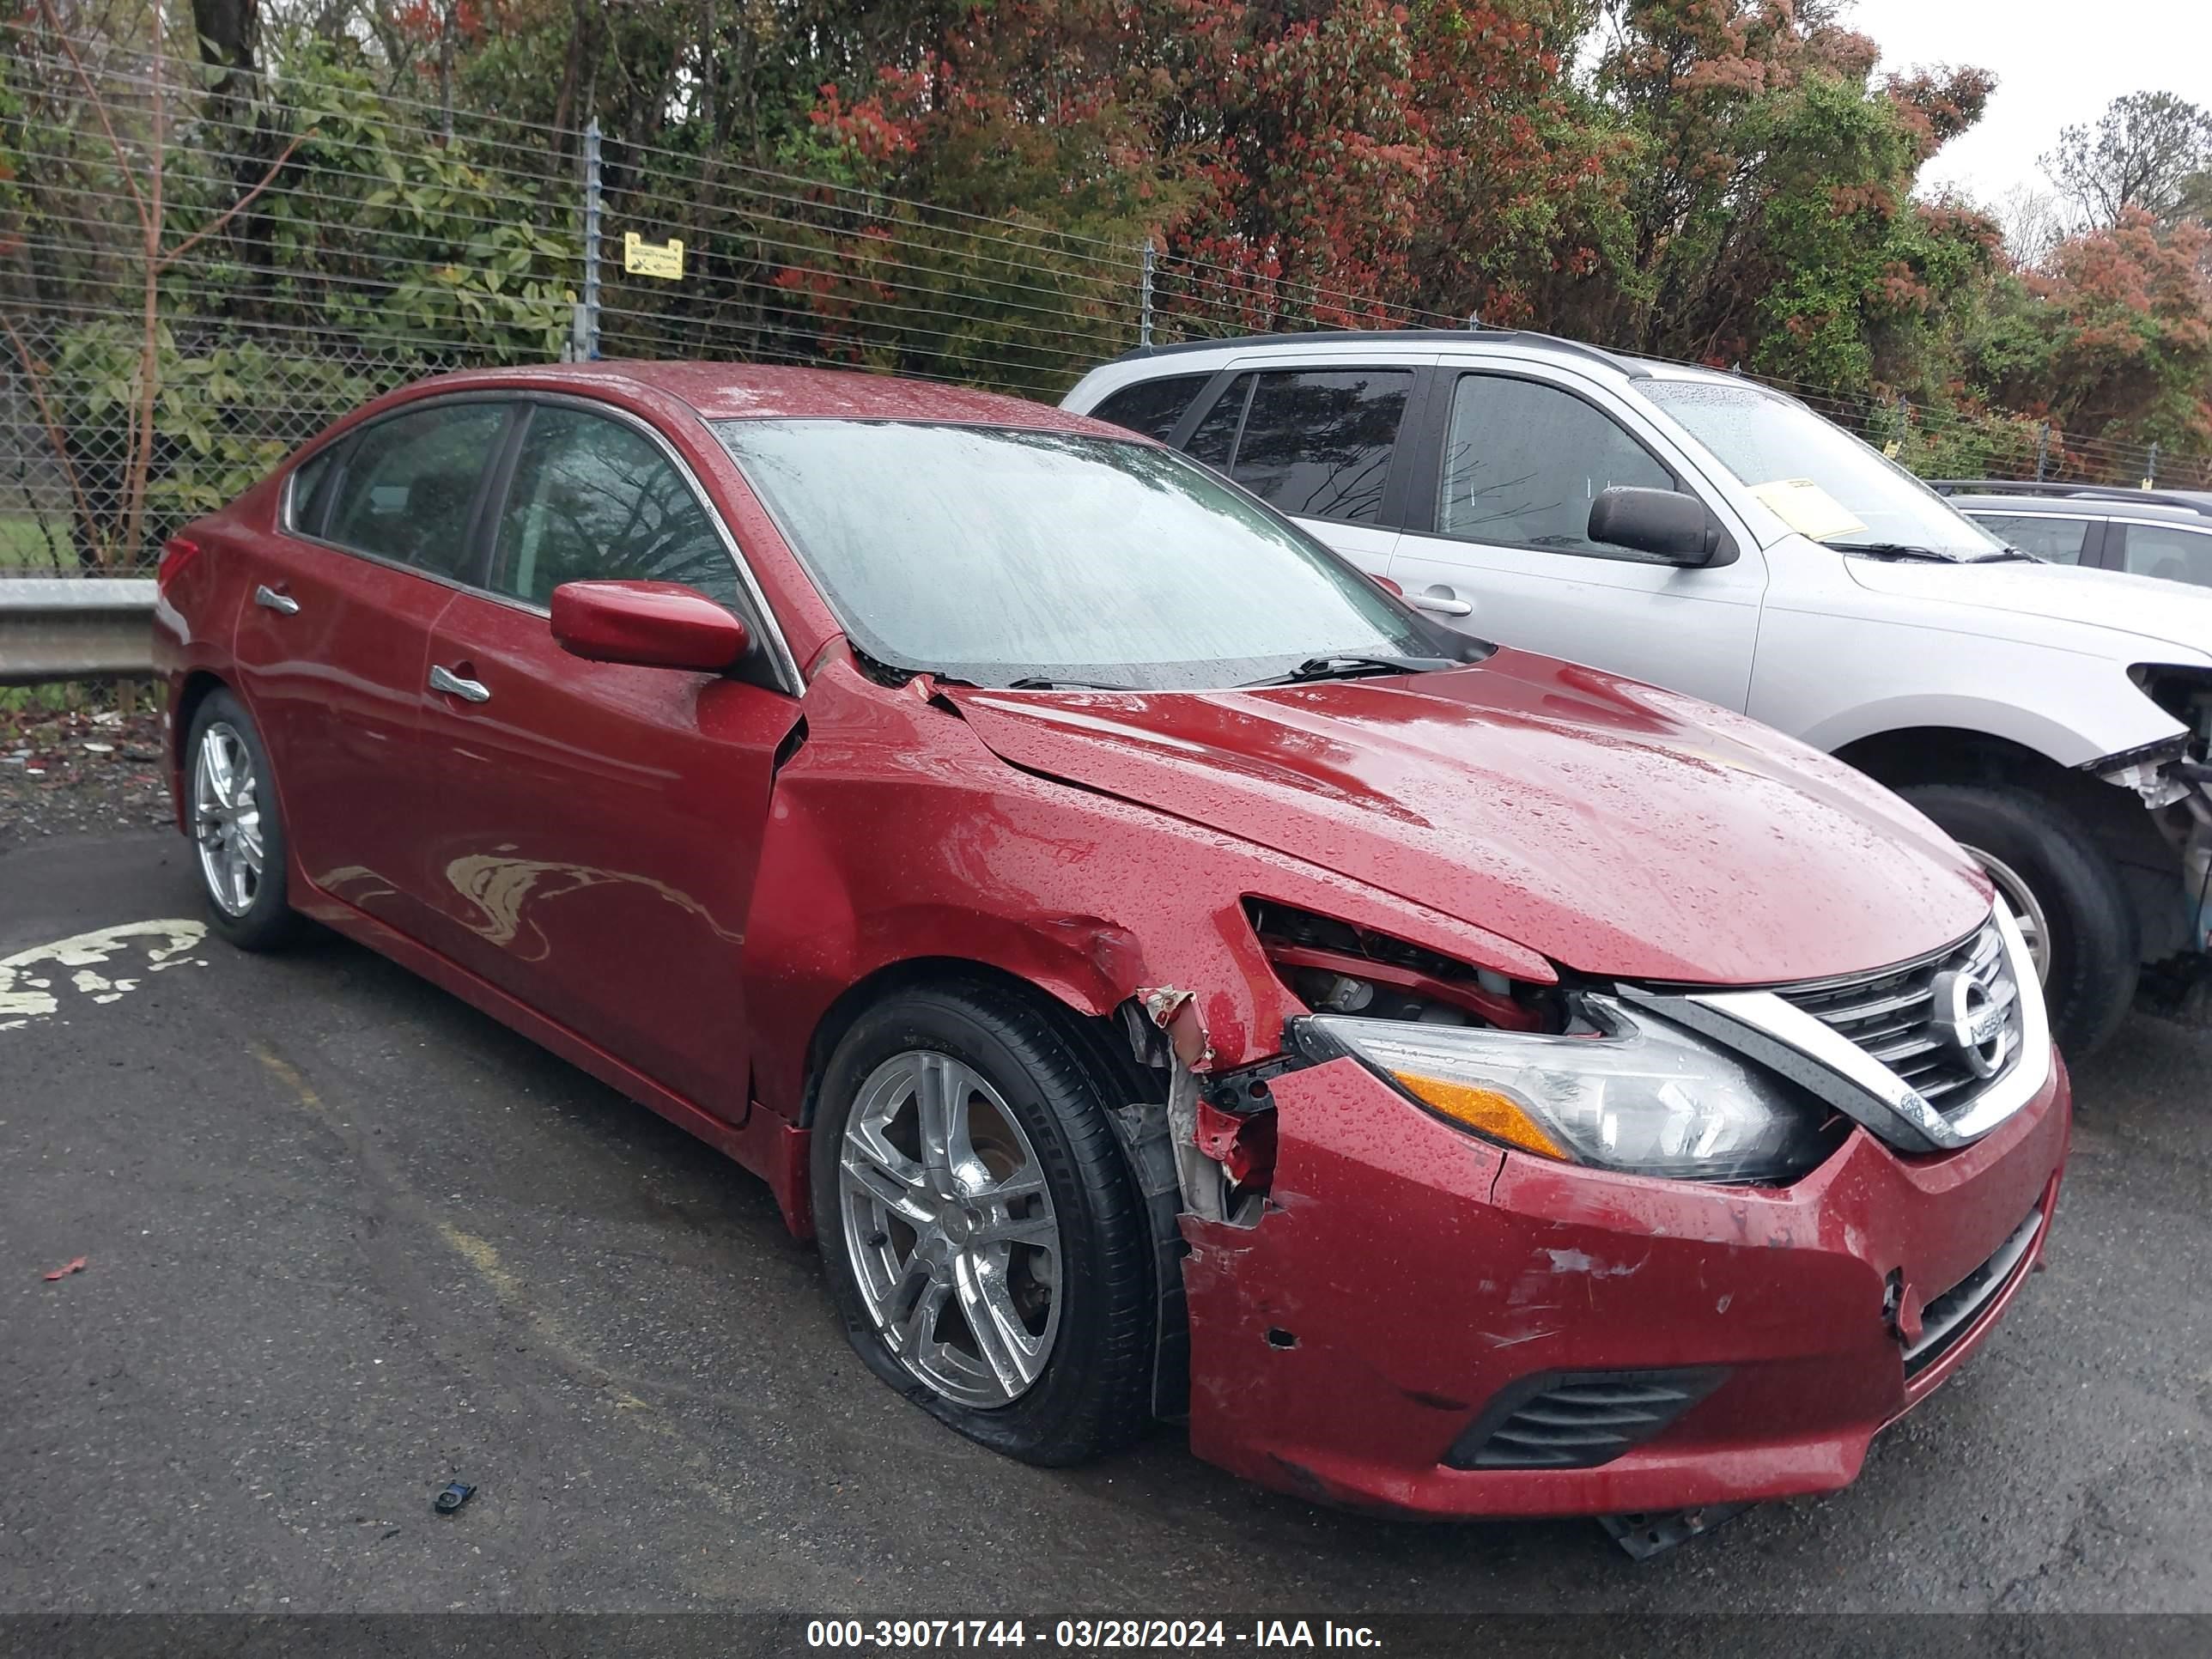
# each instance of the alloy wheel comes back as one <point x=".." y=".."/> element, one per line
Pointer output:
<point x="227" y="818"/>
<point x="950" y="1227"/>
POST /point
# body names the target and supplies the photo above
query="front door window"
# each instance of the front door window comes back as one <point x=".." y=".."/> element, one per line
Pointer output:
<point x="1523" y="461"/>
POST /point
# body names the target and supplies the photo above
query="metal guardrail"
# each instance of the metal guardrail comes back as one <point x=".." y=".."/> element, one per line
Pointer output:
<point x="75" y="628"/>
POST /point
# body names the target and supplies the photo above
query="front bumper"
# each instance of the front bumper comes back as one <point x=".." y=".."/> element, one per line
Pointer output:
<point x="1405" y="1277"/>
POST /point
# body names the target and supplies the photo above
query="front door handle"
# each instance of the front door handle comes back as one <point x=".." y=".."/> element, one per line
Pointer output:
<point x="444" y="679"/>
<point x="269" y="599"/>
<point x="1442" y="604"/>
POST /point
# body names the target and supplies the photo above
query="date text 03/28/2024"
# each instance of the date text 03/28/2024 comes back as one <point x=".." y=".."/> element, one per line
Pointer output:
<point x="1085" y="1634"/>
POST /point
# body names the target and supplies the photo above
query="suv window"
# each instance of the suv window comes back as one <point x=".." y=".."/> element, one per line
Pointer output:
<point x="1317" y="442"/>
<point x="304" y="508"/>
<point x="411" y="482"/>
<point x="1523" y="461"/>
<point x="2172" y="551"/>
<point x="1215" y="440"/>
<point x="2059" y="540"/>
<point x="595" y="499"/>
<point x="1152" y="407"/>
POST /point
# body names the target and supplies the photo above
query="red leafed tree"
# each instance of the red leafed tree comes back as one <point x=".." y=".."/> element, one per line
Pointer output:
<point x="2122" y="321"/>
<point x="1421" y="152"/>
<point x="1292" y="160"/>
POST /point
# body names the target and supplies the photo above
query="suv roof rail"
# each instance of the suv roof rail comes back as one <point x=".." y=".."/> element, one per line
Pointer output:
<point x="2182" y="499"/>
<point x="1621" y="365"/>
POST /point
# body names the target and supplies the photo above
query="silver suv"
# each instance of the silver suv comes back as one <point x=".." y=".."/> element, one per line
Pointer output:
<point x="1692" y="529"/>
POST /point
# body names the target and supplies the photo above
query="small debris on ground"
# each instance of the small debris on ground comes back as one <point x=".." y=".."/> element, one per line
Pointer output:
<point x="66" y="1269"/>
<point x="71" y="766"/>
<point x="452" y="1497"/>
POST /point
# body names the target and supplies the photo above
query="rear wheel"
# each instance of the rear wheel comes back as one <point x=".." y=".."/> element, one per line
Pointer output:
<point x="2064" y="889"/>
<point x="238" y="833"/>
<point x="980" y="1233"/>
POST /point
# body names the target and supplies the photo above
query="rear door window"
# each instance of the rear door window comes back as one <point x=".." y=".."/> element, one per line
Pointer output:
<point x="310" y="490"/>
<point x="410" y="488"/>
<point x="1152" y="407"/>
<point x="2059" y="540"/>
<point x="2172" y="551"/>
<point x="1523" y="461"/>
<point x="1215" y="441"/>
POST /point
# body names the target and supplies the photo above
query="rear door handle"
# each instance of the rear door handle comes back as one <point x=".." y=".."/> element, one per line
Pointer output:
<point x="269" y="599"/>
<point x="1442" y="605"/>
<point x="444" y="679"/>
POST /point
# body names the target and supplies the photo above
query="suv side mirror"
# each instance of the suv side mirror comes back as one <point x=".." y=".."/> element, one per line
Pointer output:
<point x="651" y="624"/>
<point x="1661" y="522"/>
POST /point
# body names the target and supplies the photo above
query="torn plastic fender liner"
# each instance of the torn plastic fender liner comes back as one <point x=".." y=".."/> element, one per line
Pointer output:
<point x="1222" y="1156"/>
<point x="1175" y="1012"/>
<point x="1143" y="1130"/>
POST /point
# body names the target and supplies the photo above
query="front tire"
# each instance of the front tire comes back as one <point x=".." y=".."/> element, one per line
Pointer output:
<point x="2067" y="893"/>
<point x="237" y="828"/>
<point x="981" y="1236"/>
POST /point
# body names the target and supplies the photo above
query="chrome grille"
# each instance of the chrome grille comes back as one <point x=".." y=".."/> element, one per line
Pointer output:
<point x="1910" y="1019"/>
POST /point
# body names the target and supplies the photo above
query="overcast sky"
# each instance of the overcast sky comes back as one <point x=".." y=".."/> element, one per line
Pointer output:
<point x="2055" y="65"/>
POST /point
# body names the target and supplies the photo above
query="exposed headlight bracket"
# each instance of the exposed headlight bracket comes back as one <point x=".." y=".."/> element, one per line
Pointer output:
<point x="2153" y="772"/>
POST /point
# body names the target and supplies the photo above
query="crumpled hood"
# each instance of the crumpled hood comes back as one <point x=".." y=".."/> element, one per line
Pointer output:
<point x="2142" y="605"/>
<point x="1613" y="827"/>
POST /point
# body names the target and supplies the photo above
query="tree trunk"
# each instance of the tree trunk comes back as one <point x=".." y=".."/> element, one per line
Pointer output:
<point x="448" y="20"/>
<point x="230" y="32"/>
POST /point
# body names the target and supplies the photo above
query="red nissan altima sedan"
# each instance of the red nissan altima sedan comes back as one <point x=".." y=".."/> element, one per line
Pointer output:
<point x="1168" y="975"/>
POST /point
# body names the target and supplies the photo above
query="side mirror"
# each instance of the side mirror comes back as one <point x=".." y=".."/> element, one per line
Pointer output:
<point x="1660" y="522"/>
<point x="651" y="624"/>
<point x="1387" y="585"/>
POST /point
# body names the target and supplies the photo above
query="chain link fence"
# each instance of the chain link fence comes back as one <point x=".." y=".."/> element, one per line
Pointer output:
<point x="196" y="278"/>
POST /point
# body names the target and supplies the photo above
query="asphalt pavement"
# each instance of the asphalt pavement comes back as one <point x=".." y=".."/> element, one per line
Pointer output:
<point x="345" y="1240"/>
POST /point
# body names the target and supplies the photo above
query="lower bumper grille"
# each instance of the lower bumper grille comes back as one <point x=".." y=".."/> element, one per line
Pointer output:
<point x="1946" y="1320"/>
<point x="1576" y="1420"/>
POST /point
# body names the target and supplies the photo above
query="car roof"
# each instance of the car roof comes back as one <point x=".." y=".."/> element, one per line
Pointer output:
<point x="1987" y="494"/>
<point x="1425" y="339"/>
<point x="727" y="391"/>
<point x="2083" y="507"/>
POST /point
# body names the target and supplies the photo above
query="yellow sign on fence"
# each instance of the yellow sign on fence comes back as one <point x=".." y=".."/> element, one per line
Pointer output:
<point x="645" y="258"/>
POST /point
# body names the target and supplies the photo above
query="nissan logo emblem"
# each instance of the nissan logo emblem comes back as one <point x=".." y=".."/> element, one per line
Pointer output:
<point x="1971" y="1021"/>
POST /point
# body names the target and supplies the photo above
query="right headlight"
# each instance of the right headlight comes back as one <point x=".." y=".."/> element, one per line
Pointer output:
<point x="1638" y="1095"/>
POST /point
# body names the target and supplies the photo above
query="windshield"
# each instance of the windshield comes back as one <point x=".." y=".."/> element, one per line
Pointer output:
<point x="1000" y="554"/>
<point x="1817" y="478"/>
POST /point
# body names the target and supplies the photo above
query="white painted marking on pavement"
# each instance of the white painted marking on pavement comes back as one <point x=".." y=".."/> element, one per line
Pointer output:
<point x="25" y="996"/>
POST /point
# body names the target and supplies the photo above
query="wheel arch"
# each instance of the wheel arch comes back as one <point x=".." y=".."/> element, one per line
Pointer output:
<point x="2008" y="727"/>
<point x="2114" y="818"/>
<point x="1090" y="1028"/>
<point x="192" y="689"/>
<point x="1953" y="753"/>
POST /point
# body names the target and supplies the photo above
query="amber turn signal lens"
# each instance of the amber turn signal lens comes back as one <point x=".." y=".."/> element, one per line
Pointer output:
<point x="1493" y="1114"/>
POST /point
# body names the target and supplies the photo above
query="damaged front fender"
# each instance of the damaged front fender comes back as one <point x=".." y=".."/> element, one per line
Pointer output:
<point x="897" y="842"/>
